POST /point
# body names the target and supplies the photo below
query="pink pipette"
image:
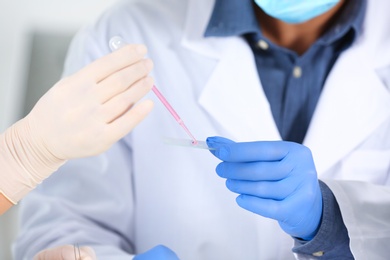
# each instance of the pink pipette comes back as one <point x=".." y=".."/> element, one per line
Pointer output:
<point x="173" y="113"/>
<point x="116" y="43"/>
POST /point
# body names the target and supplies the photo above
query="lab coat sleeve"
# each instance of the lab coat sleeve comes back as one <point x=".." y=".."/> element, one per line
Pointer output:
<point x="87" y="201"/>
<point x="365" y="209"/>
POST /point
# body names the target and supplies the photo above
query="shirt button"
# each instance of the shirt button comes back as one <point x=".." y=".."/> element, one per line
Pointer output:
<point x="319" y="253"/>
<point x="262" y="45"/>
<point x="297" y="72"/>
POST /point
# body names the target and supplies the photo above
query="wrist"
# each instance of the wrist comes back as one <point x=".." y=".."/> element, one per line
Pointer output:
<point x="42" y="162"/>
<point x="27" y="160"/>
<point x="332" y="237"/>
<point x="315" y="217"/>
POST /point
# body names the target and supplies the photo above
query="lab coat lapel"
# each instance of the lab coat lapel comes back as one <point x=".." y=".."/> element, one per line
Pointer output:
<point x="232" y="96"/>
<point x="355" y="100"/>
<point x="353" y="104"/>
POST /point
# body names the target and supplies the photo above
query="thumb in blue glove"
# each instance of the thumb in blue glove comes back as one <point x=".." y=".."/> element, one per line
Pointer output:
<point x="159" y="252"/>
<point x="275" y="179"/>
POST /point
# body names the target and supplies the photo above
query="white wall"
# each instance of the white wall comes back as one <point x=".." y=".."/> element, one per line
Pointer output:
<point x="18" y="18"/>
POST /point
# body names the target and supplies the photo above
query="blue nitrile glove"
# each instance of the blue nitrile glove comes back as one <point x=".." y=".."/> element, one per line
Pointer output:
<point x="275" y="179"/>
<point x="159" y="252"/>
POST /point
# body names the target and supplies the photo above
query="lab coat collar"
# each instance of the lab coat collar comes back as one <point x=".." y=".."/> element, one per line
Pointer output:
<point x="352" y="95"/>
<point x="198" y="16"/>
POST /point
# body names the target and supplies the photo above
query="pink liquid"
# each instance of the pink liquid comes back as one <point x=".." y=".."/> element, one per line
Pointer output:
<point x="174" y="114"/>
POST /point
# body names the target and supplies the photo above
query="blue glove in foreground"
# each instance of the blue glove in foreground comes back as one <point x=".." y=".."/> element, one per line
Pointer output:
<point x="275" y="179"/>
<point x="157" y="253"/>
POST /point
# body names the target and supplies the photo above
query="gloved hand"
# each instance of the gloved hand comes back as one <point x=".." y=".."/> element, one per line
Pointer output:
<point x="82" y="115"/>
<point x="86" y="113"/>
<point x="157" y="253"/>
<point x="66" y="252"/>
<point x="275" y="179"/>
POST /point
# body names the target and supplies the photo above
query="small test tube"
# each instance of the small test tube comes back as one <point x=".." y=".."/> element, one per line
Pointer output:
<point x="187" y="143"/>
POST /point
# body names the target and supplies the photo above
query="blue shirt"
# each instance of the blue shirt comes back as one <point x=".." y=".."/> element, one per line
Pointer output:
<point x="293" y="84"/>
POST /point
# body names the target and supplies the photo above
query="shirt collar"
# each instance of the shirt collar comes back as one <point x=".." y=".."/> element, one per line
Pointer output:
<point x="237" y="17"/>
<point x="231" y="18"/>
<point x="351" y="18"/>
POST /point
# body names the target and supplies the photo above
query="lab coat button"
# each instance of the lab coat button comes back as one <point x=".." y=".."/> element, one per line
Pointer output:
<point x="263" y="45"/>
<point x="319" y="253"/>
<point x="297" y="72"/>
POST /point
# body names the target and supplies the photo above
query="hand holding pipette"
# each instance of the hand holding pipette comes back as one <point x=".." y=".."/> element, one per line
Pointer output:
<point x="96" y="103"/>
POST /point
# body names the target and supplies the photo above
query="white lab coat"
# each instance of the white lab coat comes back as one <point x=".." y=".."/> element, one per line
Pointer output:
<point x="142" y="192"/>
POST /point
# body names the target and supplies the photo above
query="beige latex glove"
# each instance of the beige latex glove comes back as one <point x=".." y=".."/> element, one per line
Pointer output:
<point x="67" y="252"/>
<point x="82" y="115"/>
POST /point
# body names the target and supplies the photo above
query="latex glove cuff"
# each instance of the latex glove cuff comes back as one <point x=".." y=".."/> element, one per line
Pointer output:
<point x="26" y="162"/>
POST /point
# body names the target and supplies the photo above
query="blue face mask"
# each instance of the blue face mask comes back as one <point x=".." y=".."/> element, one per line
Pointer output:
<point x="295" y="11"/>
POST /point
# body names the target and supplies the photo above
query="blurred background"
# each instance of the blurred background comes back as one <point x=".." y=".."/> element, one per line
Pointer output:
<point x="35" y="35"/>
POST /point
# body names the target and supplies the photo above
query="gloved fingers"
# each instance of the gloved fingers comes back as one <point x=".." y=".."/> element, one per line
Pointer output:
<point x="293" y="197"/>
<point x="305" y="213"/>
<point x="301" y="158"/>
<point x="249" y="151"/>
<point x="276" y="190"/>
<point x="87" y="253"/>
<point x="215" y="140"/>
<point x="121" y="103"/>
<point x="113" y="62"/>
<point x="66" y="252"/>
<point x="121" y="80"/>
<point x="281" y="210"/>
<point x="298" y="214"/>
<point x="126" y="122"/>
<point x="158" y="252"/>
<point x="268" y="208"/>
<point x="254" y="171"/>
